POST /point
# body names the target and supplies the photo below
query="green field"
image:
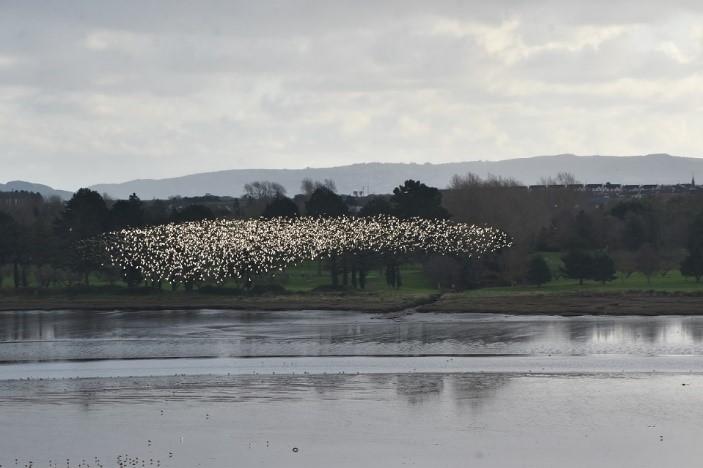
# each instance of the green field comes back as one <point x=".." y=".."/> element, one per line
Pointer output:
<point x="308" y="276"/>
<point x="300" y="278"/>
<point x="671" y="282"/>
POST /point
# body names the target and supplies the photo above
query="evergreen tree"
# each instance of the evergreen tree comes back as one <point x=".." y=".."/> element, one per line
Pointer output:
<point x="695" y="233"/>
<point x="414" y="198"/>
<point x="9" y="239"/>
<point x="127" y="213"/>
<point x="647" y="261"/>
<point x="324" y="202"/>
<point x="692" y="265"/>
<point x="281" y="206"/>
<point x="84" y="216"/>
<point x="538" y="271"/>
<point x="376" y="206"/>
<point x="602" y="267"/>
<point x="577" y="265"/>
<point x="192" y="213"/>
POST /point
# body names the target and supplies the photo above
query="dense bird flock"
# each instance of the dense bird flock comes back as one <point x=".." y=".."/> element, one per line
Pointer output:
<point x="218" y="250"/>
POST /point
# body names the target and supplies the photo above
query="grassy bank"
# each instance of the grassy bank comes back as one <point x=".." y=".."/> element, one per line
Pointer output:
<point x="576" y="303"/>
<point x="612" y="303"/>
<point x="305" y="287"/>
<point x="370" y="301"/>
<point x="670" y="294"/>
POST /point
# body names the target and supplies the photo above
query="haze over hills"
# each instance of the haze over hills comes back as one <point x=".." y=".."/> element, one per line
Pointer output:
<point x="44" y="190"/>
<point x="382" y="177"/>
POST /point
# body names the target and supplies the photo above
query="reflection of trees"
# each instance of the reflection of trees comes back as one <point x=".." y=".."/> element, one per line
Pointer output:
<point x="87" y="393"/>
<point x="694" y="328"/>
<point x="418" y="388"/>
<point x="475" y="390"/>
<point x="329" y="385"/>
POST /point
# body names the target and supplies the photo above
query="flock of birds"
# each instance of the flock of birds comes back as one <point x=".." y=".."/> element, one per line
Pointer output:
<point x="218" y="250"/>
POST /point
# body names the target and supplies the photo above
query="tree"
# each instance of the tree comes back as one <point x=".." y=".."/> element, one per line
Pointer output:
<point x="308" y="186"/>
<point x="692" y="265"/>
<point x="8" y="242"/>
<point x="8" y="236"/>
<point x="263" y="190"/>
<point x="647" y="261"/>
<point x="324" y="202"/>
<point x="414" y="198"/>
<point x="566" y="178"/>
<point x="625" y="263"/>
<point x="376" y="206"/>
<point x="640" y="223"/>
<point x="634" y="235"/>
<point x="577" y="265"/>
<point x="84" y="216"/>
<point x="192" y="213"/>
<point x="580" y="232"/>
<point x="538" y="271"/>
<point x="281" y="206"/>
<point x="670" y="260"/>
<point x="127" y="213"/>
<point x="695" y="233"/>
<point x="562" y="178"/>
<point x="622" y="209"/>
<point x="602" y="267"/>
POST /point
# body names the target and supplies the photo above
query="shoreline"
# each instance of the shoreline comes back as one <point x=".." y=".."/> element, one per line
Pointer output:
<point x="630" y="303"/>
<point x="363" y="302"/>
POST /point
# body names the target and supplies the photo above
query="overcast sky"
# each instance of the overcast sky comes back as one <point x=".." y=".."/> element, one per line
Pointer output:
<point x="97" y="91"/>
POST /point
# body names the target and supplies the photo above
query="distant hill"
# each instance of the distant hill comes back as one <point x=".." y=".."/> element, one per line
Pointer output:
<point x="382" y="177"/>
<point x="44" y="190"/>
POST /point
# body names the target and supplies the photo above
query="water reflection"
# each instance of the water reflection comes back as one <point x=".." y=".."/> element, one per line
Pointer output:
<point x="475" y="390"/>
<point x="492" y="421"/>
<point x="416" y="389"/>
<point x="116" y="335"/>
<point x="472" y="390"/>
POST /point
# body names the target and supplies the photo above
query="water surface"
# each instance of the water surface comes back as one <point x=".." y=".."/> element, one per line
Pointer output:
<point x="326" y="389"/>
<point x="40" y="336"/>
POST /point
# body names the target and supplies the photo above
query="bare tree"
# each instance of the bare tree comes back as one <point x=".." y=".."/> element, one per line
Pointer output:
<point x="470" y="180"/>
<point x="562" y="178"/>
<point x="308" y="186"/>
<point x="625" y="263"/>
<point x="263" y="190"/>
<point x="566" y="178"/>
<point x="647" y="261"/>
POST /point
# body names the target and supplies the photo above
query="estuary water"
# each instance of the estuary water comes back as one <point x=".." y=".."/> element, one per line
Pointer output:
<point x="311" y="388"/>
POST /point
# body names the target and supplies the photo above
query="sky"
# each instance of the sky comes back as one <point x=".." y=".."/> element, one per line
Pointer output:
<point x="108" y="91"/>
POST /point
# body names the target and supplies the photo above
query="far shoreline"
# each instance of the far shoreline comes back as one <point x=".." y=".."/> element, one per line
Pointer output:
<point x="644" y="303"/>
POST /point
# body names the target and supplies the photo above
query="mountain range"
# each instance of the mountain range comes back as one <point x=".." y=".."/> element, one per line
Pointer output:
<point x="382" y="177"/>
<point x="44" y="190"/>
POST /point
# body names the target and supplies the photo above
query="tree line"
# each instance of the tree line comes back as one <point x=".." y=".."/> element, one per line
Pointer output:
<point x="595" y="238"/>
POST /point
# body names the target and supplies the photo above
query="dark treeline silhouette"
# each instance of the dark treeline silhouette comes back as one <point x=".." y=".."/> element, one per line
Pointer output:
<point x="596" y="237"/>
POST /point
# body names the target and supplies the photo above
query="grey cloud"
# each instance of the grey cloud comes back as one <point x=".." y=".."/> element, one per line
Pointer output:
<point x="162" y="88"/>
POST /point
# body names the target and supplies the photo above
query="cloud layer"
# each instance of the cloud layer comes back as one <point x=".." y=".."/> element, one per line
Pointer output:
<point x="100" y="92"/>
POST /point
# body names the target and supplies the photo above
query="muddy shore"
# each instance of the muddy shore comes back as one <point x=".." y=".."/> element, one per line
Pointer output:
<point x="631" y="303"/>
